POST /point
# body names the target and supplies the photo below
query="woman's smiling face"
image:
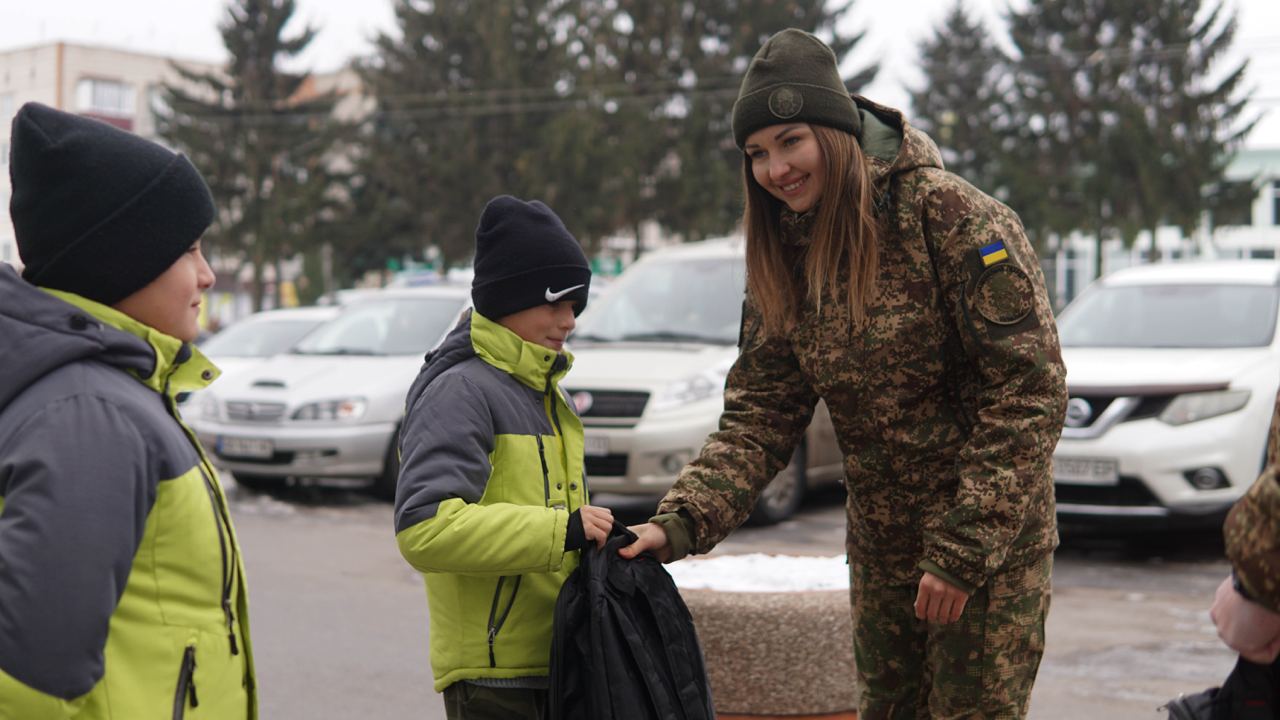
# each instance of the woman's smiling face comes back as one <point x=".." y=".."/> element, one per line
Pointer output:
<point x="787" y="162"/>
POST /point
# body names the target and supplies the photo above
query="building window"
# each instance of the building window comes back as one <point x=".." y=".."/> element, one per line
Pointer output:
<point x="6" y="107"/>
<point x="4" y="154"/>
<point x="105" y="97"/>
<point x="1275" y="202"/>
<point x="1262" y="254"/>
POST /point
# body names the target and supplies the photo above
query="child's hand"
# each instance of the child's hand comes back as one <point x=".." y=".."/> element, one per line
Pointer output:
<point x="596" y="523"/>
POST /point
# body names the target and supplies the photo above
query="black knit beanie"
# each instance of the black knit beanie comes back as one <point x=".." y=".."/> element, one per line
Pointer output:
<point x="526" y="257"/>
<point x="98" y="211"/>
<point x="793" y="78"/>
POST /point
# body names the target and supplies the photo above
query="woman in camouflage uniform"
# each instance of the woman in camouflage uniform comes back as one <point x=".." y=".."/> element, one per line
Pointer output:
<point x="912" y="303"/>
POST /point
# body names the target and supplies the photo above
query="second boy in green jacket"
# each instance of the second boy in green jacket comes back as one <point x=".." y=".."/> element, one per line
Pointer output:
<point x="491" y="504"/>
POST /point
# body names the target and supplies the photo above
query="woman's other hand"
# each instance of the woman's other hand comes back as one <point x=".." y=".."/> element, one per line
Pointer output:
<point x="938" y="601"/>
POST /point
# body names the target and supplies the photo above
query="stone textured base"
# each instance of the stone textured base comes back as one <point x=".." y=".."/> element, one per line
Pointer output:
<point x="784" y="654"/>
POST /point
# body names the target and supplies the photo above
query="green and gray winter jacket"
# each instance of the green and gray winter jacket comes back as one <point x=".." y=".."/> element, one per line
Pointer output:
<point x="491" y="468"/>
<point x="121" y="586"/>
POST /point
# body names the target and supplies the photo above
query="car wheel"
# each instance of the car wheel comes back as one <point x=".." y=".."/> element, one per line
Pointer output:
<point x="257" y="483"/>
<point x="384" y="486"/>
<point x="782" y="496"/>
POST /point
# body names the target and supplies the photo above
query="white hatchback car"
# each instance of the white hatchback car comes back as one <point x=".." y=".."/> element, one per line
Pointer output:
<point x="651" y="357"/>
<point x="331" y="406"/>
<point x="1172" y="371"/>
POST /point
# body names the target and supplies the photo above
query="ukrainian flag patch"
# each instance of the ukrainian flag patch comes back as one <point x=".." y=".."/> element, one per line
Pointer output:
<point x="993" y="253"/>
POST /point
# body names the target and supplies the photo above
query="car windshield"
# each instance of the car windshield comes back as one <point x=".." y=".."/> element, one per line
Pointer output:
<point x="258" y="339"/>
<point x="1171" y="316"/>
<point x="673" y="300"/>
<point x="399" y="326"/>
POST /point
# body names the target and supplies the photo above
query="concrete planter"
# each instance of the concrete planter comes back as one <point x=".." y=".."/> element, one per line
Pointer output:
<point x="777" y="654"/>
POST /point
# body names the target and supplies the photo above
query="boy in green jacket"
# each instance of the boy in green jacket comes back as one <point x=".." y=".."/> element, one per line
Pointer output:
<point x="491" y="504"/>
<point x="122" y="590"/>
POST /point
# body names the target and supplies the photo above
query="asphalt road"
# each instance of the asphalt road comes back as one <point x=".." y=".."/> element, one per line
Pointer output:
<point x="340" y="621"/>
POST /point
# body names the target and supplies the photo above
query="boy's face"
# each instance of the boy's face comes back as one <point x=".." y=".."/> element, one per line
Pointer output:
<point x="171" y="302"/>
<point x="547" y="325"/>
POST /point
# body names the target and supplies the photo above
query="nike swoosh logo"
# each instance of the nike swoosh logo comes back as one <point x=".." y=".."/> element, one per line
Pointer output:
<point x="554" y="296"/>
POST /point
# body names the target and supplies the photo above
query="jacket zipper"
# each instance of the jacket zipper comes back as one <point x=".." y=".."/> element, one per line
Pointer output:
<point x="186" y="684"/>
<point x="496" y="625"/>
<point x="556" y="366"/>
<point x="226" y="566"/>
<point x="220" y="520"/>
<point x="546" y="474"/>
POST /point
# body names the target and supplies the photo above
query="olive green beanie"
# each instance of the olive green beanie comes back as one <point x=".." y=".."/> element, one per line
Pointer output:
<point x="793" y="78"/>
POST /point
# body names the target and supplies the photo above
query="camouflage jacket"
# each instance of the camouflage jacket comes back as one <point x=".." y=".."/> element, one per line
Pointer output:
<point x="1252" y="529"/>
<point x="947" y="398"/>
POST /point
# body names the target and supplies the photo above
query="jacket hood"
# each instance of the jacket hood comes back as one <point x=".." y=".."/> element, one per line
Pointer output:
<point x="42" y="331"/>
<point x="892" y="144"/>
<point x="455" y="348"/>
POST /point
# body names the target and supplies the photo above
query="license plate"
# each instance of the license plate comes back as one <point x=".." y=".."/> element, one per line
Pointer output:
<point x="1085" y="471"/>
<point x="249" y="448"/>
<point x="596" y="445"/>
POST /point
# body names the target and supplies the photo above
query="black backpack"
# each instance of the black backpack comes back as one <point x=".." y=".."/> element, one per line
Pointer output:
<point x="1250" y="692"/>
<point x="624" y="645"/>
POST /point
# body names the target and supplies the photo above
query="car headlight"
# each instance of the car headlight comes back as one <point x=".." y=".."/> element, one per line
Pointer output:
<point x="1191" y="407"/>
<point x="209" y="406"/>
<point x="341" y="409"/>
<point x="703" y="385"/>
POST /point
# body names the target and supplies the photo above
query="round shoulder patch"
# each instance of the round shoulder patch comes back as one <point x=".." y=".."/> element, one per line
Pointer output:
<point x="1004" y="294"/>
<point x="785" y="103"/>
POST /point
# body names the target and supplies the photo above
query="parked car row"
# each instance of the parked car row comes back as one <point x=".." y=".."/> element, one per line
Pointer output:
<point x="1172" y="371"/>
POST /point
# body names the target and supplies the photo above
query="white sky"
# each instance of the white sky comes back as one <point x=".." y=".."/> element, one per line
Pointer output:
<point x="188" y="29"/>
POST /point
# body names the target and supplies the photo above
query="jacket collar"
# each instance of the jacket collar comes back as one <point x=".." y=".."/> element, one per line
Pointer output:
<point x="179" y="366"/>
<point x="530" y="363"/>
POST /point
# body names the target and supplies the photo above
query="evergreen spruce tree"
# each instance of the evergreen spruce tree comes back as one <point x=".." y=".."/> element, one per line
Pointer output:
<point x="463" y="93"/>
<point x="964" y="104"/>
<point x="614" y="112"/>
<point x="265" y="140"/>
<point x="1182" y="108"/>
<point x="1122" y="127"/>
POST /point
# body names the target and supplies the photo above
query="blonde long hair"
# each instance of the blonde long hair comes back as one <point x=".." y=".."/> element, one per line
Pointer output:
<point x="844" y="238"/>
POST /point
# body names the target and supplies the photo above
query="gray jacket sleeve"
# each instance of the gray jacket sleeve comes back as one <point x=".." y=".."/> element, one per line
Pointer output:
<point x="445" y="443"/>
<point x="77" y="492"/>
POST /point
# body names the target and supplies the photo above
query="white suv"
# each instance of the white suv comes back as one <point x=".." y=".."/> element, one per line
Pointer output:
<point x="1172" y="371"/>
<point x="651" y="357"/>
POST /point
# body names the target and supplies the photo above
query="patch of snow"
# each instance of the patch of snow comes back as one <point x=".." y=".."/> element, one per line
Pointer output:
<point x="758" y="572"/>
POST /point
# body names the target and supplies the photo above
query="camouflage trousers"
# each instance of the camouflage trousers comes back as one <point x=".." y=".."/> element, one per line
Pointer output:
<point x="981" y="666"/>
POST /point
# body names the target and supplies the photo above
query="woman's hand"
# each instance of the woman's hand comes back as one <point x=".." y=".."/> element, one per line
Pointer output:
<point x="938" y="601"/>
<point x="596" y="523"/>
<point x="649" y="537"/>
